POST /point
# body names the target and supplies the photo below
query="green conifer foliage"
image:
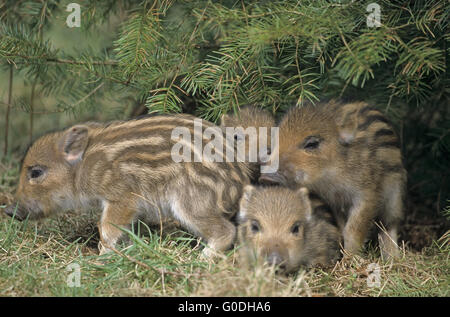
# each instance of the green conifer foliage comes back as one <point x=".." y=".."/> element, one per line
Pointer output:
<point x="211" y="57"/>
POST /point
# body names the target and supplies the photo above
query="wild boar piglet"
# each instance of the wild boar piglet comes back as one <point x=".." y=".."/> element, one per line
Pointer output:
<point x="286" y="228"/>
<point x="127" y="168"/>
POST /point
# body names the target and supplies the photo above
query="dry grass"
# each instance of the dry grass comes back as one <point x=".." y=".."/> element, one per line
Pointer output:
<point x="34" y="258"/>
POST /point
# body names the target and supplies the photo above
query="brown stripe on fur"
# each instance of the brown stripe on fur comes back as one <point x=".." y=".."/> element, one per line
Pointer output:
<point x="384" y="132"/>
<point x="171" y="119"/>
<point x="151" y="151"/>
<point x="149" y="125"/>
<point x="134" y="133"/>
<point x="393" y="143"/>
<point x="394" y="168"/>
<point x="365" y="109"/>
<point x="371" y="119"/>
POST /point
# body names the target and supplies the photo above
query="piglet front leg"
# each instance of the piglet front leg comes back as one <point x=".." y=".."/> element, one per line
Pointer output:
<point x="115" y="216"/>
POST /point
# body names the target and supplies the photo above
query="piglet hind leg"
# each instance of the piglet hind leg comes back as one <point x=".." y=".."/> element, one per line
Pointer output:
<point x="391" y="216"/>
<point x="115" y="216"/>
<point x="207" y="220"/>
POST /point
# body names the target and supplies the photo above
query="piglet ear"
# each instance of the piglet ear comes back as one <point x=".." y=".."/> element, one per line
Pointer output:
<point x="74" y="143"/>
<point x="306" y="202"/>
<point x="347" y="128"/>
<point x="245" y="201"/>
<point x="346" y="136"/>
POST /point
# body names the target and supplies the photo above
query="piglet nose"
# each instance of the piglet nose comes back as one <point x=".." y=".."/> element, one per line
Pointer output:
<point x="274" y="258"/>
<point x="14" y="211"/>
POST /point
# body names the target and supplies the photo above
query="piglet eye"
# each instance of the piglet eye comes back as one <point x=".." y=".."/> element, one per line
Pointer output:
<point x="36" y="171"/>
<point x="295" y="228"/>
<point x="311" y="143"/>
<point x="254" y="226"/>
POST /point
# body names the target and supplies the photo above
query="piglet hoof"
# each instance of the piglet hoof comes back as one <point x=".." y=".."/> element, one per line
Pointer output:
<point x="210" y="254"/>
<point x="103" y="249"/>
<point x="390" y="253"/>
<point x="388" y="247"/>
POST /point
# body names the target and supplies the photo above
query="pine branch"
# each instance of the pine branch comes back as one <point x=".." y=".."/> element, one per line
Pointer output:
<point x="41" y="59"/>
